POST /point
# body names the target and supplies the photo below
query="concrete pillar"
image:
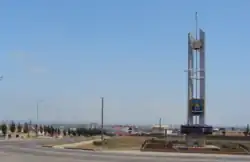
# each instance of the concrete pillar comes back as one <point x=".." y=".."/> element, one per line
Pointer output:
<point x="202" y="140"/>
<point x="189" y="140"/>
<point x="193" y="140"/>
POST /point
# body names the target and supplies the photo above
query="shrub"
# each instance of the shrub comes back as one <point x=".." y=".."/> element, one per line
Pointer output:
<point x="12" y="127"/>
<point x="99" y="142"/>
<point x="170" y="145"/>
<point x="41" y="128"/>
<point x="4" y="129"/>
<point x="224" y="146"/>
<point x="64" y="132"/>
<point x="244" y="147"/>
<point x="19" y="128"/>
<point x="26" y="128"/>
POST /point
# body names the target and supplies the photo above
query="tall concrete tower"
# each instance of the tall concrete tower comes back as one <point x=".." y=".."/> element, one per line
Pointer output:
<point x="195" y="129"/>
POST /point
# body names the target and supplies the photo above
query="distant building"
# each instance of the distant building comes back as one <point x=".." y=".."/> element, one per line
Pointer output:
<point x="161" y="129"/>
<point x="125" y="130"/>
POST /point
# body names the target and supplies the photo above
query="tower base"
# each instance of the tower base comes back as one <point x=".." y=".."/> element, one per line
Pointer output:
<point x="194" y="140"/>
<point x="196" y="134"/>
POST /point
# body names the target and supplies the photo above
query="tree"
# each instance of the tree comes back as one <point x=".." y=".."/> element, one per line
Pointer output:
<point x="58" y="131"/>
<point x="74" y="133"/>
<point x="45" y="129"/>
<point x="4" y="129"/>
<point x="64" y="132"/>
<point x="12" y="127"/>
<point x="69" y="131"/>
<point x="36" y="129"/>
<point x="41" y="129"/>
<point x="19" y="128"/>
<point x="52" y="130"/>
<point x="130" y="129"/>
<point x="247" y="130"/>
<point x="26" y="128"/>
<point x="48" y="128"/>
<point x="78" y="132"/>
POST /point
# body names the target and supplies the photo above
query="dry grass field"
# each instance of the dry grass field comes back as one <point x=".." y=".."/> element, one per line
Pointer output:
<point x="117" y="143"/>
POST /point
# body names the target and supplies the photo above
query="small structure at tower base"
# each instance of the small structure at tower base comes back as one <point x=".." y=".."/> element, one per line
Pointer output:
<point x="196" y="134"/>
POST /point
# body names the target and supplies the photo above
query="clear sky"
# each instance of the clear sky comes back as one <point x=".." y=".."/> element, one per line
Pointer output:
<point x="69" y="53"/>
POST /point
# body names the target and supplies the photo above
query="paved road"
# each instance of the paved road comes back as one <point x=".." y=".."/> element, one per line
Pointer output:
<point x="28" y="151"/>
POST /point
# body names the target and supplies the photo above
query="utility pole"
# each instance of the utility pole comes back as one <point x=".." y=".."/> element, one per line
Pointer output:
<point x="7" y="130"/>
<point x="37" y="111"/>
<point x="102" y="107"/>
<point x="37" y="115"/>
<point x="160" y="125"/>
<point x="29" y="127"/>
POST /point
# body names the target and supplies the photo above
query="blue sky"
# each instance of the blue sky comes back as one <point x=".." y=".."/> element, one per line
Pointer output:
<point x="133" y="52"/>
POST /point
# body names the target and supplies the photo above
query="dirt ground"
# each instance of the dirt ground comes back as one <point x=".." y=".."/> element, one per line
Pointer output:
<point x="122" y="142"/>
<point x="135" y="142"/>
<point x="65" y="140"/>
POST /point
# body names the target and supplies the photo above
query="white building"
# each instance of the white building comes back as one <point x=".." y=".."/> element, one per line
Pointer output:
<point x="161" y="129"/>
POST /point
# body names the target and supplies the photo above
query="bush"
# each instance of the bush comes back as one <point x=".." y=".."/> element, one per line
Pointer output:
<point x="12" y="127"/>
<point x="64" y="133"/>
<point x="26" y="128"/>
<point x="244" y="147"/>
<point x="99" y="142"/>
<point x="74" y="133"/>
<point x="224" y="146"/>
<point x="19" y="128"/>
<point x="41" y="128"/>
<point x="4" y="129"/>
<point x="170" y="145"/>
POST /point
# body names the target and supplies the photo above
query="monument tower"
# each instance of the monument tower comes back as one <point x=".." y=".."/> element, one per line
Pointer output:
<point x="195" y="129"/>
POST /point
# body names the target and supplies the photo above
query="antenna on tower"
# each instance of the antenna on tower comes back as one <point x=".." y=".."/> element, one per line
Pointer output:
<point x="196" y="25"/>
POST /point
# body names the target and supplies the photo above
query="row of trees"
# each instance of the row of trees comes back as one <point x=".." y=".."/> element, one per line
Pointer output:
<point x="47" y="130"/>
<point x="25" y="128"/>
<point x="246" y="132"/>
<point x="12" y="127"/>
<point x="84" y="132"/>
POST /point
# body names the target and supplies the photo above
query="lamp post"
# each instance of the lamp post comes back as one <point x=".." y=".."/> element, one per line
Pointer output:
<point x="102" y="108"/>
<point x="7" y="130"/>
<point x="37" y="114"/>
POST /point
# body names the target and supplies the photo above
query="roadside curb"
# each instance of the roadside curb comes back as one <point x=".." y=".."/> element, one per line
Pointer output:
<point x="86" y="149"/>
<point x="48" y="146"/>
<point x="69" y="148"/>
<point x="71" y="145"/>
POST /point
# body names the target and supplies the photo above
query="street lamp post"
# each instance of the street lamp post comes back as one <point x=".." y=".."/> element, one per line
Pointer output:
<point x="102" y="107"/>
<point x="37" y="111"/>
<point x="7" y="130"/>
<point x="37" y="115"/>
